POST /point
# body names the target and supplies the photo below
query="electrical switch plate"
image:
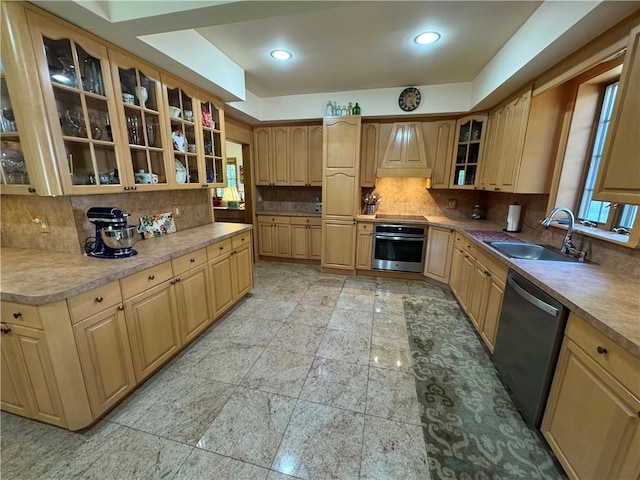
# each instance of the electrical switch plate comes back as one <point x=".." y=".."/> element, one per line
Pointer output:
<point x="44" y="224"/>
<point x="177" y="212"/>
<point x="451" y="203"/>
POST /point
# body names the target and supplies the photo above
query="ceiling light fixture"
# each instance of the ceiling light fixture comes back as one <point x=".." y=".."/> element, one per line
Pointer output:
<point x="426" y="38"/>
<point x="281" y="55"/>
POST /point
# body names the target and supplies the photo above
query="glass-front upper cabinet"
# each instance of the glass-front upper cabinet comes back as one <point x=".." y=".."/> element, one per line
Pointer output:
<point x="79" y="99"/>
<point x="467" y="151"/>
<point x="212" y="141"/>
<point x="139" y="95"/>
<point x="180" y="102"/>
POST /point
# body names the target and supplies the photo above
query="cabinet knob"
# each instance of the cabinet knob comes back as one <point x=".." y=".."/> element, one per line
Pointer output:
<point x="172" y="282"/>
<point x="120" y="307"/>
<point x="17" y="315"/>
<point x="221" y="248"/>
<point x="152" y="277"/>
<point x="32" y="190"/>
<point x="134" y="188"/>
<point x="99" y="299"/>
<point x="496" y="189"/>
<point x="5" y="330"/>
<point x="178" y="280"/>
<point x="601" y="350"/>
<point x="205" y="185"/>
<point x="192" y="260"/>
<point x="126" y="188"/>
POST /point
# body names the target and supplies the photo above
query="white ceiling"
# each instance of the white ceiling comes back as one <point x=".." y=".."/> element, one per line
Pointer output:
<point x="341" y="46"/>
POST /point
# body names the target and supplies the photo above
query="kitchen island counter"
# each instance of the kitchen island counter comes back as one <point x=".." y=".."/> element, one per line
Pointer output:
<point x="37" y="277"/>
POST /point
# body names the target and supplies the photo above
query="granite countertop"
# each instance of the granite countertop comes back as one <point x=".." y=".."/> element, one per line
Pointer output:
<point x="37" y="277"/>
<point x="289" y="213"/>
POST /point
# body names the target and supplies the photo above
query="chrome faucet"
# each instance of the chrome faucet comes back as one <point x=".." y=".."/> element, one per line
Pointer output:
<point x="568" y="247"/>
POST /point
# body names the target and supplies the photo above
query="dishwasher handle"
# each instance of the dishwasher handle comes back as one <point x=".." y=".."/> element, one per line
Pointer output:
<point x="532" y="299"/>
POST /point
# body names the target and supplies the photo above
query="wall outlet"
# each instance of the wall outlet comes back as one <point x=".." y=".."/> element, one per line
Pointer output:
<point x="44" y="224"/>
<point x="451" y="203"/>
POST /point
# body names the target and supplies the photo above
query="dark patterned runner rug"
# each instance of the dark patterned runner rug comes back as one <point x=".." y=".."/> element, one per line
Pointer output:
<point x="471" y="427"/>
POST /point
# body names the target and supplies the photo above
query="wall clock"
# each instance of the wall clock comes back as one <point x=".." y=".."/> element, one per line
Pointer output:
<point x="409" y="99"/>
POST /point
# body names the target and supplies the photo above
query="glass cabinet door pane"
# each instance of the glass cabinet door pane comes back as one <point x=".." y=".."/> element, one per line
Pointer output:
<point x="149" y="92"/>
<point x="13" y="167"/>
<point x="91" y="72"/>
<point x="465" y="132"/>
<point x="61" y="62"/>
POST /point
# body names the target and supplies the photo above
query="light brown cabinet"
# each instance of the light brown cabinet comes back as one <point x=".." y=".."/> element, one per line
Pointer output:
<point x="306" y="238"/>
<point x="439" y="254"/>
<point x="369" y="155"/>
<point x="520" y="148"/>
<point x="231" y="270"/>
<point x="592" y="416"/>
<point x="272" y="156"/>
<point x="274" y="236"/>
<point x="340" y="192"/>
<point x="619" y="176"/>
<point x="438" y="139"/>
<point x="305" y="155"/>
<point x="467" y="151"/>
<point x="364" y="245"/>
<point x="315" y="156"/>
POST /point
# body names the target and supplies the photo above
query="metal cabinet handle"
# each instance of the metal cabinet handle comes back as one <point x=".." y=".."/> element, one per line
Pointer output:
<point x="17" y="315"/>
<point x="192" y="260"/>
<point x="152" y="277"/>
<point x="5" y="330"/>
<point x="172" y="282"/>
<point x="99" y="299"/>
<point x="601" y="350"/>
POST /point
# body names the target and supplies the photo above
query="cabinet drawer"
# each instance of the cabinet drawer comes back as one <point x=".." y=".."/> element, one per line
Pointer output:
<point x="240" y="241"/>
<point x="219" y="248"/>
<point x="94" y="301"/>
<point x="462" y="242"/>
<point x="365" y="227"/>
<point x="495" y="266"/>
<point x="306" y="221"/>
<point x="188" y="261"/>
<point x="19" y="314"/>
<point x="274" y="219"/>
<point x="139" y="282"/>
<point x="620" y="363"/>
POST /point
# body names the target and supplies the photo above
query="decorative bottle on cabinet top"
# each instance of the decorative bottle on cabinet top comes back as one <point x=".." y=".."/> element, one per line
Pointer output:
<point x="356" y="109"/>
<point x="329" y="110"/>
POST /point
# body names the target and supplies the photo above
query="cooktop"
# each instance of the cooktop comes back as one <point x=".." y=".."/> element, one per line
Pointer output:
<point x="401" y="217"/>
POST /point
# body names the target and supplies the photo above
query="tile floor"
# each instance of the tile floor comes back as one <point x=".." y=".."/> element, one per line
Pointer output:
<point x="309" y="377"/>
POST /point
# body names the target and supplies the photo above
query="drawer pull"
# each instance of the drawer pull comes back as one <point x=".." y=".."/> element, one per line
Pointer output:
<point x="172" y="282"/>
<point x="601" y="350"/>
<point x="17" y="315"/>
<point x="152" y="277"/>
<point x="99" y="299"/>
<point x="178" y="280"/>
<point x="192" y="260"/>
<point x="5" y="330"/>
<point x="221" y="248"/>
<point x="120" y="307"/>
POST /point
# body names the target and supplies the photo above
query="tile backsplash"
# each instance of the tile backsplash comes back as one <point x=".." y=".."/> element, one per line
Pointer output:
<point x="68" y="222"/>
<point x="294" y="199"/>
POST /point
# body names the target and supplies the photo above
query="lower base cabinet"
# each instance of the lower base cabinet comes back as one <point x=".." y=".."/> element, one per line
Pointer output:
<point x="439" y="254"/>
<point x="306" y="238"/>
<point x="338" y="244"/>
<point x="364" y="246"/>
<point x="592" y="417"/>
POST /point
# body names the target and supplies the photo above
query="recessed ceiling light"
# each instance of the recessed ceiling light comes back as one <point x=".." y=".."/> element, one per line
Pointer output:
<point x="427" y="38"/>
<point x="281" y="55"/>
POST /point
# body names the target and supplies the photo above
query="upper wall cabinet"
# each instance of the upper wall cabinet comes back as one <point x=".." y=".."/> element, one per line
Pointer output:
<point x="369" y="154"/>
<point x="272" y="156"/>
<point x="467" y="152"/>
<point x="438" y="139"/>
<point x="405" y="153"/>
<point x="140" y="114"/>
<point x="619" y="173"/>
<point x="210" y="115"/>
<point x="520" y="148"/>
<point x="80" y="103"/>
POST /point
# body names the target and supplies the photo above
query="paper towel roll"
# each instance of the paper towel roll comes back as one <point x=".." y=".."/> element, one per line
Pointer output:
<point x="513" y="218"/>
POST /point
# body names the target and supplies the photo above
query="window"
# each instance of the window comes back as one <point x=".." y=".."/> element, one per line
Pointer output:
<point x="606" y="215"/>
<point x="232" y="177"/>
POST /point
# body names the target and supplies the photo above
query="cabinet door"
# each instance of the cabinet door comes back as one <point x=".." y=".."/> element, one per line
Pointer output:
<point x="315" y="156"/>
<point x="80" y="102"/>
<point x="466" y="272"/>
<point x="477" y="290"/>
<point x="315" y="242"/>
<point x="339" y="197"/>
<point x="300" y="241"/>
<point x="514" y="142"/>
<point x="282" y="240"/>
<point x="338" y="245"/>
<point x="105" y="357"/>
<point x="209" y="118"/>
<point x="439" y="252"/>
<point x="456" y="264"/>
<point x="242" y="271"/>
<point x="591" y="421"/>
<point x="14" y="396"/>
<point x="193" y="297"/>
<point x="266" y="244"/>
<point x="341" y="138"/>
<point x="491" y="311"/>
<point x="619" y="176"/>
<point x="364" y="245"/>
<point x="369" y="155"/>
<point x="280" y="155"/>
<point x="467" y="154"/>
<point x="42" y="389"/>
<point x="438" y="140"/>
<point x="262" y="139"/>
<point x="141" y="122"/>
<point x="221" y="283"/>
<point x="152" y="324"/>
<point x="299" y="155"/>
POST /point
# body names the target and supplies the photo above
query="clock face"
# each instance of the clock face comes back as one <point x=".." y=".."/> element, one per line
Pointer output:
<point x="409" y="99"/>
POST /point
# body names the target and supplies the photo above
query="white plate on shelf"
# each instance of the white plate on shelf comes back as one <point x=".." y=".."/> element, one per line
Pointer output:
<point x="181" y="172"/>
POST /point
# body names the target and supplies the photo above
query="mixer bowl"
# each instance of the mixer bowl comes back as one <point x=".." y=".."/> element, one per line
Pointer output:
<point x="119" y="238"/>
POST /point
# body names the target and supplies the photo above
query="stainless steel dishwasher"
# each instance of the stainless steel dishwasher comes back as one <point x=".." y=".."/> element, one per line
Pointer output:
<point x="527" y="344"/>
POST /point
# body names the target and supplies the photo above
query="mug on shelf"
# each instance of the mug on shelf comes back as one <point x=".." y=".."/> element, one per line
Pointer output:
<point x="188" y="115"/>
<point x="128" y="98"/>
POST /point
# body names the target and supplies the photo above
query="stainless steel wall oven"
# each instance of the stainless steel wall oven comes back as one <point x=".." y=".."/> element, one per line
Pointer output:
<point x="399" y="248"/>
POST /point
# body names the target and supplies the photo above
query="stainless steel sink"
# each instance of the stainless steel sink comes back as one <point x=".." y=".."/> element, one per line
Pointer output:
<point x="530" y="251"/>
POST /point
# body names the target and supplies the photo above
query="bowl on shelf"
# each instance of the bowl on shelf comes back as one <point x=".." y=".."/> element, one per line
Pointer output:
<point x="144" y="177"/>
<point x="175" y="112"/>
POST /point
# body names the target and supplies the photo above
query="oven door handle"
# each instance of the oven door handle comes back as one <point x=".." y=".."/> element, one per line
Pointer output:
<point x="407" y="239"/>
